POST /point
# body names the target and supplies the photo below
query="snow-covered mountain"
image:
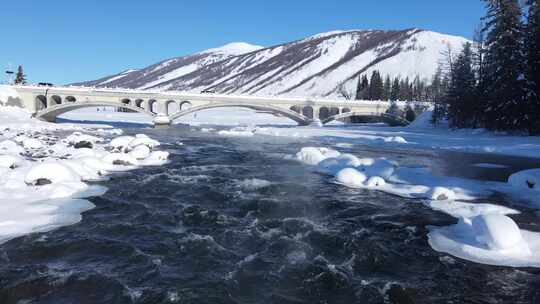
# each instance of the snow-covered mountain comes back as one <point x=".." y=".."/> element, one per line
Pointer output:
<point x="321" y="65"/>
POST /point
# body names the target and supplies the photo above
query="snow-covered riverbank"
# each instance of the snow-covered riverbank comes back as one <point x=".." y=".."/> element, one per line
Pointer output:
<point x="47" y="169"/>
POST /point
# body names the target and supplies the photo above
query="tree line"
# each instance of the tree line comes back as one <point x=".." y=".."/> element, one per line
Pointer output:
<point x="494" y="82"/>
<point x="377" y="88"/>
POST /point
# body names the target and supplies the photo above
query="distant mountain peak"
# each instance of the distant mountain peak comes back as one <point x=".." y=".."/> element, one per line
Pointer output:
<point x="234" y="49"/>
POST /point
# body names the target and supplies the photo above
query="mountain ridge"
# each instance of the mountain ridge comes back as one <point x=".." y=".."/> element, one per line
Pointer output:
<point x="321" y="65"/>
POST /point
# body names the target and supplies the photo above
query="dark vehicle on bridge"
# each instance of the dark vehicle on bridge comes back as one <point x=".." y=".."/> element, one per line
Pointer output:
<point x="208" y="92"/>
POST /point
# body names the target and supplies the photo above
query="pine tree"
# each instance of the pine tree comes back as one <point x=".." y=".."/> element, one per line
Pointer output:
<point x="404" y="89"/>
<point x="479" y="66"/>
<point x="436" y="86"/>
<point x="387" y="88"/>
<point x="504" y="70"/>
<point x="532" y="72"/>
<point x="394" y="92"/>
<point x="440" y="109"/>
<point x="416" y="90"/>
<point x="362" y="90"/>
<point x="461" y="94"/>
<point x="20" y="78"/>
<point x="376" y="86"/>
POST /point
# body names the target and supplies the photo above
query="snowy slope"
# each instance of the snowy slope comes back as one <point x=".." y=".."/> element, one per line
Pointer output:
<point x="316" y="66"/>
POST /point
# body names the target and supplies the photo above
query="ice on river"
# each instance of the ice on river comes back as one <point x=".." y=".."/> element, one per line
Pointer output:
<point x="484" y="233"/>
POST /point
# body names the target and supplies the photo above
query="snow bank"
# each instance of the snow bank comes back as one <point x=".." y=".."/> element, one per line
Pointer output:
<point x="422" y="121"/>
<point x="43" y="177"/>
<point x="7" y="93"/>
<point x="488" y="239"/>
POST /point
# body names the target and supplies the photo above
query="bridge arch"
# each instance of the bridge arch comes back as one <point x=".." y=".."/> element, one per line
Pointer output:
<point x="139" y="103"/>
<point x="126" y="101"/>
<point x="297" y="117"/>
<point x="70" y="99"/>
<point x="41" y="102"/>
<point x="51" y="113"/>
<point x="307" y="111"/>
<point x="152" y="106"/>
<point x="185" y="105"/>
<point x="55" y="100"/>
<point x="171" y="107"/>
<point x="324" y="113"/>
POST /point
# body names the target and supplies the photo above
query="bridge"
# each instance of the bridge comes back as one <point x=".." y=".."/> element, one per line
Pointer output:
<point x="47" y="103"/>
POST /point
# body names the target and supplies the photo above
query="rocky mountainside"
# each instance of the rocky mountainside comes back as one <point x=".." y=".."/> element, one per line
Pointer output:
<point x="323" y="65"/>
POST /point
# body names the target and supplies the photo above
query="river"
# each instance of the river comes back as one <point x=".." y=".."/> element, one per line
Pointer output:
<point x="234" y="220"/>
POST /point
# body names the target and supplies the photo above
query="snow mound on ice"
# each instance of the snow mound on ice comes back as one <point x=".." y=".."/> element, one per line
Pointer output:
<point x="32" y="143"/>
<point x="77" y="137"/>
<point x="496" y="231"/>
<point x="156" y="158"/>
<point x="379" y="167"/>
<point x="527" y="179"/>
<point x="121" y="142"/>
<point x="441" y="194"/>
<point x="313" y="155"/>
<point x="50" y="172"/>
<point x="375" y="181"/>
<point x="350" y="177"/>
<point x="333" y="164"/>
<point x="488" y="239"/>
<point x="142" y="139"/>
<point x="11" y="161"/>
<point x="140" y="152"/>
<point x="120" y="159"/>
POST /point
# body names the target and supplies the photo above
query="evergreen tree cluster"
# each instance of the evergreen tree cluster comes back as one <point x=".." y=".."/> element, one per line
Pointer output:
<point x="495" y="82"/>
<point x="379" y="88"/>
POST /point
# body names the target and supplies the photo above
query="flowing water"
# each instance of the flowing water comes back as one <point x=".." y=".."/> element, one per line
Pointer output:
<point x="232" y="220"/>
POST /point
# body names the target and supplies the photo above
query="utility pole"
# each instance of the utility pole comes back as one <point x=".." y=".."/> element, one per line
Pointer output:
<point x="9" y="77"/>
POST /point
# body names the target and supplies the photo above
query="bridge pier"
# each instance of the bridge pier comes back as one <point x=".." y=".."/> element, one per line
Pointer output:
<point x="162" y="121"/>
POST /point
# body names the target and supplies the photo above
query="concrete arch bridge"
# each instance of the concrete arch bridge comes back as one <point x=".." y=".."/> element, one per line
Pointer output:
<point x="47" y="103"/>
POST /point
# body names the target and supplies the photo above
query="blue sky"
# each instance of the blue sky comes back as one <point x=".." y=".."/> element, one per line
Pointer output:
<point x="63" y="41"/>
